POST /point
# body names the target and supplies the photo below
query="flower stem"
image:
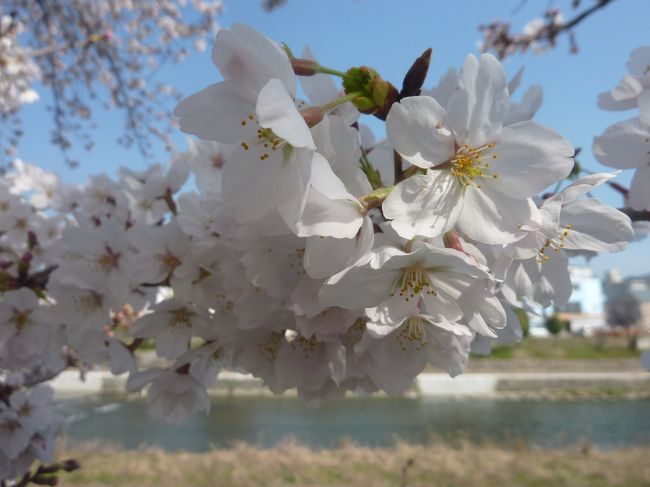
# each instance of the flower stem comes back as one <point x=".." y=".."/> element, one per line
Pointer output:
<point x="334" y="72"/>
<point x="339" y="101"/>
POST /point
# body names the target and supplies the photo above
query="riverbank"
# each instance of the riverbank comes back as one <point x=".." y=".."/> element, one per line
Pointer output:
<point x="457" y="463"/>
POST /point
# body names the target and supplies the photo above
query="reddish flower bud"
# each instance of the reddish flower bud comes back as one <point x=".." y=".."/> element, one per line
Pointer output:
<point x="312" y="115"/>
<point x="304" y="67"/>
<point x="452" y="240"/>
<point x="70" y="465"/>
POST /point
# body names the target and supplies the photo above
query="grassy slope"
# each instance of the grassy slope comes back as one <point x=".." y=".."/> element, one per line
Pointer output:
<point x="460" y="464"/>
<point x="566" y="348"/>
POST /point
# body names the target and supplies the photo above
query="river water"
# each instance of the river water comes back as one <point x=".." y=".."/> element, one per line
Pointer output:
<point x="265" y="421"/>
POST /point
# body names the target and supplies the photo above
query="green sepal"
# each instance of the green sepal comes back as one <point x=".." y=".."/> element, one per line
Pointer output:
<point x="368" y="84"/>
<point x="358" y="80"/>
<point x="380" y="90"/>
<point x="364" y="103"/>
<point x="373" y="175"/>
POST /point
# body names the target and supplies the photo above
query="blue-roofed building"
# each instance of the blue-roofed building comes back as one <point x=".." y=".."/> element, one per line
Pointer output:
<point x="585" y="310"/>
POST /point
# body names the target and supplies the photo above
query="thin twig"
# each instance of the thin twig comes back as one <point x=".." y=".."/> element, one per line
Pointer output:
<point x="505" y="43"/>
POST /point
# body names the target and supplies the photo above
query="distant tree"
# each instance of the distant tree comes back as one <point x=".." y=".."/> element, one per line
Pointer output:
<point x="82" y="51"/>
<point x="555" y="324"/>
<point x="624" y="311"/>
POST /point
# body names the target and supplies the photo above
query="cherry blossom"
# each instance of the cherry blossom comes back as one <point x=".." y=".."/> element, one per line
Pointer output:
<point x="625" y="145"/>
<point x="474" y="163"/>
<point x="539" y="271"/>
<point x="632" y="89"/>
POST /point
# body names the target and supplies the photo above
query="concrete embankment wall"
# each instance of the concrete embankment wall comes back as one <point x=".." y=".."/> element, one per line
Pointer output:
<point x="506" y="385"/>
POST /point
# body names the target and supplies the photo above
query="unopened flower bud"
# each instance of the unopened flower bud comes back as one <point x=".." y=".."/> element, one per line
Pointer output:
<point x="304" y="67"/>
<point x="452" y="240"/>
<point x="417" y="73"/>
<point x="183" y="369"/>
<point x="70" y="465"/>
<point x="312" y="115"/>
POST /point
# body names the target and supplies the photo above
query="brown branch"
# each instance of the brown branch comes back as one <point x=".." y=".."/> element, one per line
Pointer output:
<point x="637" y="215"/>
<point x="270" y="5"/>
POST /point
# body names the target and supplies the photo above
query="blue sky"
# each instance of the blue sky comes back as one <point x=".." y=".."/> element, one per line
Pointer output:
<point x="388" y="36"/>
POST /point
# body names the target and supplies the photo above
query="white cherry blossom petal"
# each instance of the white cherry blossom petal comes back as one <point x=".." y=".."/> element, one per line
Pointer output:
<point x="639" y="197"/>
<point x="624" y="145"/>
<point x="415" y="128"/>
<point x="329" y="209"/>
<point x="346" y="293"/>
<point x="445" y="87"/>
<point x="254" y="187"/>
<point x="216" y="112"/>
<point x="277" y="111"/>
<point x="250" y="59"/>
<point x="424" y="204"/>
<point x="527" y="107"/>
<point x="479" y="106"/>
<point x="595" y="226"/>
<point x="644" y="106"/>
<point x="491" y="217"/>
<point x="623" y="96"/>
<point x="639" y="61"/>
<point x="529" y="158"/>
<point x="584" y="185"/>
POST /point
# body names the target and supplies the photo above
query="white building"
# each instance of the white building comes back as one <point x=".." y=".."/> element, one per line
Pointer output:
<point x="585" y="310"/>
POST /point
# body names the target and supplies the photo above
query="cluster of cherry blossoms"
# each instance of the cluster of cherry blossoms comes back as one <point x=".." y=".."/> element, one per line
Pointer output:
<point x="17" y="68"/>
<point x="310" y="255"/>
<point x="31" y="341"/>
<point x="29" y="429"/>
<point x="626" y="145"/>
<point x="365" y="274"/>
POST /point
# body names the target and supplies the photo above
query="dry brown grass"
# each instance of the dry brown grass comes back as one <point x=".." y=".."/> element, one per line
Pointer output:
<point x="460" y="463"/>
